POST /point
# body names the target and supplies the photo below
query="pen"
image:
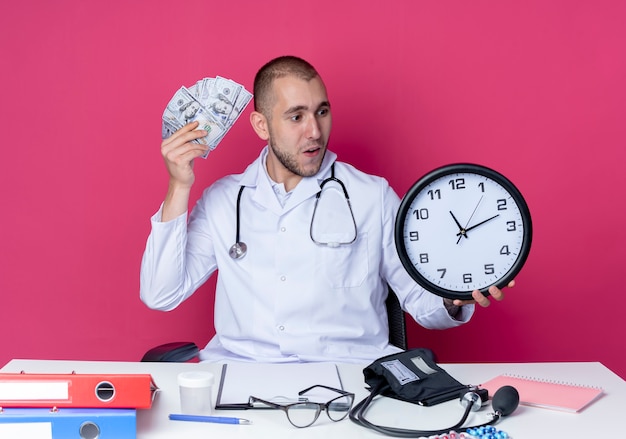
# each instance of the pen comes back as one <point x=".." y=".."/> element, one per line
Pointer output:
<point x="213" y="419"/>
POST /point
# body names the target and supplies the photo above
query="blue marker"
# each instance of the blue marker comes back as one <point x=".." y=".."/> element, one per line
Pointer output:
<point x="213" y="419"/>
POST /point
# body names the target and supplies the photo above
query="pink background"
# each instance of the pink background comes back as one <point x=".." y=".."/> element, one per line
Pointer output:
<point x="535" y="89"/>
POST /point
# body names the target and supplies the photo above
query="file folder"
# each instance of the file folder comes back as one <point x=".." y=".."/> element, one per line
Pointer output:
<point x="68" y="423"/>
<point x="134" y="391"/>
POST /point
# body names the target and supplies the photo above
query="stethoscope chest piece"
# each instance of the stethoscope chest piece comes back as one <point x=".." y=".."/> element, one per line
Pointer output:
<point x="238" y="250"/>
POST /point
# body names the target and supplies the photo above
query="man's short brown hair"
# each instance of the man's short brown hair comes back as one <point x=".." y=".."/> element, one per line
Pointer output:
<point x="274" y="69"/>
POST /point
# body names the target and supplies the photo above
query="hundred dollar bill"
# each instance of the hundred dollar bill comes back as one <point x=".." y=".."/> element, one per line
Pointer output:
<point x="241" y="102"/>
<point x="183" y="108"/>
<point x="215" y="103"/>
<point x="168" y="128"/>
<point x="217" y="95"/>
<point x="195" y="90"/>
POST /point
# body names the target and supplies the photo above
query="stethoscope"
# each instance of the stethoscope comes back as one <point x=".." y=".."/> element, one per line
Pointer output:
<point x="239" y="249"/>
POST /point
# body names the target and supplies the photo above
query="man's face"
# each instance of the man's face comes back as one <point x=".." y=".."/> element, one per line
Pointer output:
<point x="299" y="129"/>
<point x="222" y="107"/>
<point x="191" y="110"/>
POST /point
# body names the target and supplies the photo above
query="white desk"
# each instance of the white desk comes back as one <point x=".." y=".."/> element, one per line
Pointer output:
<point x="603" y="418"/>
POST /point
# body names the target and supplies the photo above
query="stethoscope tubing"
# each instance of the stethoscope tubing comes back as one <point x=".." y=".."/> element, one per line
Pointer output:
<point x="239" y="249"/>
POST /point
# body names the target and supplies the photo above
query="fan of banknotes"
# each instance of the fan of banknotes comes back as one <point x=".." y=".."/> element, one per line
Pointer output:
<point x="215" y="103"/>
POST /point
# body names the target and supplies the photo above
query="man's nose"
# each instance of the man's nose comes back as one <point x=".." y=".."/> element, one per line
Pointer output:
<point x="313" y="129"/>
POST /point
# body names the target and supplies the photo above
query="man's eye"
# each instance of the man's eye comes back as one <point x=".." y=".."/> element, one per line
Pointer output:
<point x="296" y="118"/>
<point x="322" y="112"/>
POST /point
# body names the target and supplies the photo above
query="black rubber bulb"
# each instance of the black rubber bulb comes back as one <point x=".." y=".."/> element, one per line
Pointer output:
<point x="505" y="400"/>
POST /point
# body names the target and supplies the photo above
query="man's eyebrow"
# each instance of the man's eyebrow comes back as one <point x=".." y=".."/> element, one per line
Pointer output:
<point x="298" y="108"/>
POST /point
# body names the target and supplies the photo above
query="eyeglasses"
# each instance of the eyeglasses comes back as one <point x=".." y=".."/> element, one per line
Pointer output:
<point x="305" y="413"/>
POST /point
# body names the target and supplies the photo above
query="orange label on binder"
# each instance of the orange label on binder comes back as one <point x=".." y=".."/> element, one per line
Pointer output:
<point x="77" y="390"/>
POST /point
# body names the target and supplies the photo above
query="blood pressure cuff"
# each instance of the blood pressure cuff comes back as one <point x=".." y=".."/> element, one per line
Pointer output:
<point x="413" y="376"/>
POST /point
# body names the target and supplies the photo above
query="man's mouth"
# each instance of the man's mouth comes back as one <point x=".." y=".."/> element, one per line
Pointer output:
<point x="313" y="149"/>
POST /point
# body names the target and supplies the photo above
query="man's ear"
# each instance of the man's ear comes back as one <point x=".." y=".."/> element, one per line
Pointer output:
<point x="259" y="124"/>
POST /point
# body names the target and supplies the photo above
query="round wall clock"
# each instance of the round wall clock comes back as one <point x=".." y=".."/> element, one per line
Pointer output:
<point x="463" y="227"/>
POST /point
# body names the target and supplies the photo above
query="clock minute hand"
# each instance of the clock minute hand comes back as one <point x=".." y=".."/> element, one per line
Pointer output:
<point x="464" y="232"/>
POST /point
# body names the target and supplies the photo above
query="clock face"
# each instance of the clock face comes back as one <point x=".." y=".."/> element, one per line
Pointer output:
<point x="461" y="228"/>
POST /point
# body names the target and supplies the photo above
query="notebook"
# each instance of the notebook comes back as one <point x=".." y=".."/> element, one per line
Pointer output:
<point x="547" y="394"/>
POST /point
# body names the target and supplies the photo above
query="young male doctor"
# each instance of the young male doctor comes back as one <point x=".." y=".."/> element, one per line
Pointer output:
<point x="309" y="282"/>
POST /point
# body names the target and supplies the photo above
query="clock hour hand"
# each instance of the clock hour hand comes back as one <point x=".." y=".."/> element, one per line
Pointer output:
<point x="464" y="232"/>
<point x="456" y="221"/>
<point x="461" y="229"/>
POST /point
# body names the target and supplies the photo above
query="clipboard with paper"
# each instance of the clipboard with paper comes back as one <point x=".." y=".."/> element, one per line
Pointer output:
<point x="275" y="382"/>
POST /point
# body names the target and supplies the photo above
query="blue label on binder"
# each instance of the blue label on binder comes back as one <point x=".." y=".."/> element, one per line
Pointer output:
<point x="69" y="423"/>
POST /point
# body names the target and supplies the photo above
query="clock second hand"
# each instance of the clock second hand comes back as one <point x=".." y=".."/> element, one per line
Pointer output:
<point x="463" y="231"/>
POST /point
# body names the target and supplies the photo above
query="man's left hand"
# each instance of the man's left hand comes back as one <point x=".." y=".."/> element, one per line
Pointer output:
<point x="484" y="301"/>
